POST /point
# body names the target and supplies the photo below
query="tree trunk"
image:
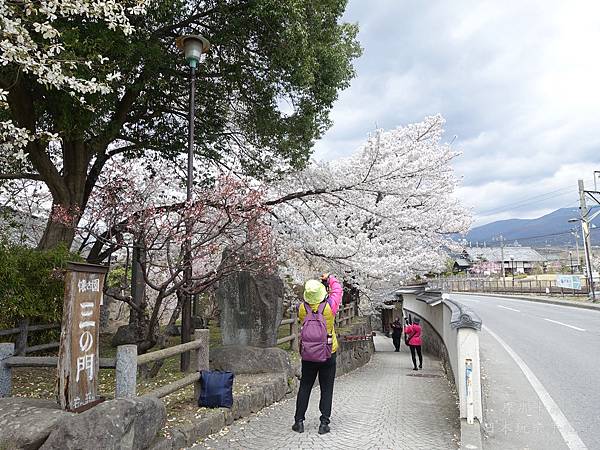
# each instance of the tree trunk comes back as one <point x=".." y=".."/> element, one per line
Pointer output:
<point x="56" y="233"/>
<point x="70" y="190"/>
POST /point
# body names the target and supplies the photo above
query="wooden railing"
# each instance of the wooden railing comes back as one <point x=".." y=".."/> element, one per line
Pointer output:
<point x="22" y="332"/>
<point x="345" y="314"/>
<point x="294" y="332"/>
<point x="125" y="364"/>
<point x="343" y="318"/>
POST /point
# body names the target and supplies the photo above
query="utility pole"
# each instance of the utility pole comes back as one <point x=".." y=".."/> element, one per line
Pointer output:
<point x="587" y="242"/>
<point x="502" y="255"/>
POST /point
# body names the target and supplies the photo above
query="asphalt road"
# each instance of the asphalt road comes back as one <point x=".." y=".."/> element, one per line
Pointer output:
<point x="560" y="346"/>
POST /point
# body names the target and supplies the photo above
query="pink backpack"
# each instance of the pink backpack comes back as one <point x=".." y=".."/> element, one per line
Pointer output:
<point x="314" y="344"/>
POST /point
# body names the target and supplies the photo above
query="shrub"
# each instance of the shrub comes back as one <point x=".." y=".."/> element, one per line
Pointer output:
<point x="32" y="283"/>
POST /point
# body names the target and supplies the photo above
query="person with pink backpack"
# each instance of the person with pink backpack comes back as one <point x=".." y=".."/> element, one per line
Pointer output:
<point x="318" y="346"/>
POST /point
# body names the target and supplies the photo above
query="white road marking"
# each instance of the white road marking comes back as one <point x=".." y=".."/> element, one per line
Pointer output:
<point x="568" y="433"/>
<point x="506" y="307"/>
<point x="565" y="324"/>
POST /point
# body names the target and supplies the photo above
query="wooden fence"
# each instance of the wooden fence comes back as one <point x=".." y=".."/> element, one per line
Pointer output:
<point x="506" y="287"/>
<point x="125" y="365"/>
<point x="343" y="318"/>
<point x="22" y="332"/>
<point x="127" y="360"/>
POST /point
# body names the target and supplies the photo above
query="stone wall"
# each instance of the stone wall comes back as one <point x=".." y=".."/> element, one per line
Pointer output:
<point x="354" y="354"/>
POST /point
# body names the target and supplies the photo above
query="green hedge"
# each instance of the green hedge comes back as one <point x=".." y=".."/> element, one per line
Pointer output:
<point x="31" y="284"/>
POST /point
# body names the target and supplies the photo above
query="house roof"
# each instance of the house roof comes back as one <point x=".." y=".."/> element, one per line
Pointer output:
<point x="462" y="262"/>
<point x="494" y="254"/>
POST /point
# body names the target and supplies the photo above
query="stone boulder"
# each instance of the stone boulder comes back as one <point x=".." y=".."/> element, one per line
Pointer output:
<point x="25" y="423"/>
<point x="173" y="330"/>
<point x="251" y="308"/>
<point x="243" y="359"/>
<point x="122" y="424"/>
<point x="126" y="334"/>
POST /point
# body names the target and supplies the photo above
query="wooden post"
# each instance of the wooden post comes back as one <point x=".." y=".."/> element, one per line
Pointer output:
<point x="6" y="351"/>
<point x="78" y="357"/>
<point x="126" y="371"/>
<point x="295" y="330"/>
<point x="202" y="357"/>
<point x="21" y="344"/>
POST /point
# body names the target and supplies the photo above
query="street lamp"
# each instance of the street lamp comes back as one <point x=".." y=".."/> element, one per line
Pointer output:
<point x="193" y="47"/>
<point x="587" y="244"/>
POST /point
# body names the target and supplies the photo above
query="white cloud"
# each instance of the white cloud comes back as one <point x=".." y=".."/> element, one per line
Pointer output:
<point x="517" y="82"/>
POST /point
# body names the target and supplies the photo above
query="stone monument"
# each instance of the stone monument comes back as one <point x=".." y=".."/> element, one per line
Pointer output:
<point x="251" y="308"/>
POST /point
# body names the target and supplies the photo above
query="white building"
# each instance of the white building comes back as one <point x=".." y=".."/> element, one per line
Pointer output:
<point x="516" y="259"/>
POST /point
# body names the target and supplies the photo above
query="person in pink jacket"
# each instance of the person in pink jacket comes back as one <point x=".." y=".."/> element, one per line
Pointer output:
<point x="412" y="334"/>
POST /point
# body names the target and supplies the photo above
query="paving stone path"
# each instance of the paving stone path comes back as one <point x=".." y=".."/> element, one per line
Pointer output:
<point x="382" y="405"/>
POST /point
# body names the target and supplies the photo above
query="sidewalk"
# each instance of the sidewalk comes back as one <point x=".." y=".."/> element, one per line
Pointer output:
<point x="382" y="405"/>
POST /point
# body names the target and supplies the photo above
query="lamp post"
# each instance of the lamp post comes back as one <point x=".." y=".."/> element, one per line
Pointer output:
<point x="193" y="47"/>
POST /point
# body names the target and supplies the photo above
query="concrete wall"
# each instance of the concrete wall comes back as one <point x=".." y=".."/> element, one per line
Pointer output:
<point x="444" y="336"/>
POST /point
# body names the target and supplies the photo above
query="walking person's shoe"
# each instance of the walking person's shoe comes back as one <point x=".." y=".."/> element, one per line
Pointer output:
<point x="421" y="366"/>
<point x="414" y="368"/>
<point x="298" y="426"/>
<point x="324" y="428"/>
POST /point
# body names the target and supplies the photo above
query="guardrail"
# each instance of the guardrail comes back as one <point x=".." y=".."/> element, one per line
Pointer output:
<point x="506" y="287"/>
<point x="344" y="317"/>
<point x="23" y="330"/>
<point x="125" y="365"/>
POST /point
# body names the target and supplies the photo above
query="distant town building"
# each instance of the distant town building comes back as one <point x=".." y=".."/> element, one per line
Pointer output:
<point x="516" y="259"/>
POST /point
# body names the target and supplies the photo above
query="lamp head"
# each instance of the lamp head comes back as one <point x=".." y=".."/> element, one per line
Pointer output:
<point x="193" y="46"/>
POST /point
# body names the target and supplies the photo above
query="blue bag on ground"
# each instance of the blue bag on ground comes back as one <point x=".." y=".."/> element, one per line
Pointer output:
<point x="216" y="389"/>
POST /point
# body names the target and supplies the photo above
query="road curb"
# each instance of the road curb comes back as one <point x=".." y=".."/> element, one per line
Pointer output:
<point x="470" y="435"/>
<point x="535" y="299"/>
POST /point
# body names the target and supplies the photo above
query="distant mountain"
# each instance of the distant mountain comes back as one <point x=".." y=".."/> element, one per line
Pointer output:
<point x="550" y="230"/>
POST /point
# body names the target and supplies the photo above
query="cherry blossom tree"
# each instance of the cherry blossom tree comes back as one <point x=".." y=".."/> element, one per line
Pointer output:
<point x="379" y="217"/>
<point x="226" y="224"/>
<point x="486" y="268"/>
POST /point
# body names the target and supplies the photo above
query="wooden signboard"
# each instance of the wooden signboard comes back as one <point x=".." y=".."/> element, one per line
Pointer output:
<point x="78" y="357"/>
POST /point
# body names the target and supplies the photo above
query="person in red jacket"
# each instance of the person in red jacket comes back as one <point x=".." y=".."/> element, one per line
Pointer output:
<point x="412" y="335"/>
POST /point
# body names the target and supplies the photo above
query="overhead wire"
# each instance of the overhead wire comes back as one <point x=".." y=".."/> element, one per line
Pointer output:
<point x="530" y="200"/>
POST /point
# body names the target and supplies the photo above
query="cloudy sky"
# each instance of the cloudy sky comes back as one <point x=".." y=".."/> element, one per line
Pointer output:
<point x="518" y="82"/>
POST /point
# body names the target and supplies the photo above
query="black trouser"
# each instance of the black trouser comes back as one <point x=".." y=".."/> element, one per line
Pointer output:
<point x="326" y="372"/>
<point x="396" y="341"/>
<point x="412" y="354"/>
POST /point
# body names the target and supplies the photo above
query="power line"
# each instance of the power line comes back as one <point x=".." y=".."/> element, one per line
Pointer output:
<point x="525" y="201"/>
<point x="539" y="236"/>
<point x="529" y="200"/>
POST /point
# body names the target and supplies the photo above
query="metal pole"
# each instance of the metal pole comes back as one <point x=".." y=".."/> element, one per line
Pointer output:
<point x="571" y="261"/>
<point x="585" y="229"/>
<point x="502" y="251"/>
<point x="186" y="310"/>
<point x="578" y="255"/>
